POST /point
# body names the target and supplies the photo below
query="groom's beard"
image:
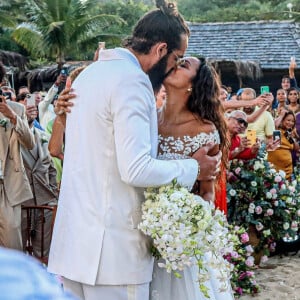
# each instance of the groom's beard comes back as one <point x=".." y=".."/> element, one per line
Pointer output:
<point x="157" y="73"/>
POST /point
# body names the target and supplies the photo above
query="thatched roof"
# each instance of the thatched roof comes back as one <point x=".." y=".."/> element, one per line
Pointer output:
<point x="271" y="43"/>
<point x="242" y="68"/>
<point x="13" y="59"/>
<point x="42" y="78"/>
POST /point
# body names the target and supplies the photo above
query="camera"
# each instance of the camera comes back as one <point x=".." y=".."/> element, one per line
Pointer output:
<point x="7" y="95"/>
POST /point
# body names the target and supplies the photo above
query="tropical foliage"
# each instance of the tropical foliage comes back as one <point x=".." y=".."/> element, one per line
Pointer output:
<point x="60" y="28"/>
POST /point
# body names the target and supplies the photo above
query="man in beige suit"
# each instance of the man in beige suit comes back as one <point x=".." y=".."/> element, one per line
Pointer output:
<point x="14" y="185"/>
<point x="42" y="178"/>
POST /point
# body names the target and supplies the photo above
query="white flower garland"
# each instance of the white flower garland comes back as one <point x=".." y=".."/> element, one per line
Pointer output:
<point x="184" y="227"/>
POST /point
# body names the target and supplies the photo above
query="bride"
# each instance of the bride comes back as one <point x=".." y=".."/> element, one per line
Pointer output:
<point x="191" y="118"/>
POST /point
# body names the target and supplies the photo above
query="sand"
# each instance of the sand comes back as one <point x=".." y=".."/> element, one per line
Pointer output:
<point x="278" y="279"/>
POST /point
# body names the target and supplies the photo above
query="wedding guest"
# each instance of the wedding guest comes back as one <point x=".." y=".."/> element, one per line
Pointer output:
<point x="281" y="96"/>
<point x="113" y="143"/>
<point x="263" y="101"/>
<point x="264" y="125"/>
<point x="9" y="93"/>
<point x="42" y="178"/>
<point x="281" y="158"/>
<point x="46" y="106"/>
<point x="14" y="185"/>
<point x="23" y="90"/>
<point x="293" y="100"/>
<point x="240" y="147"/>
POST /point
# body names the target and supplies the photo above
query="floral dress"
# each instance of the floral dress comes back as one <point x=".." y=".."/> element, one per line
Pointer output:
<point x="165" y="286"/>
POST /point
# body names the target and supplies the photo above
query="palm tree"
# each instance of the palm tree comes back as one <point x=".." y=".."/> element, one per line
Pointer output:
<point x="57" y="28"/>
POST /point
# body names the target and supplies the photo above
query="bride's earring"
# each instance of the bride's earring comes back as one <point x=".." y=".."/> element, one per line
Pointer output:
<point x="190" y="89"/>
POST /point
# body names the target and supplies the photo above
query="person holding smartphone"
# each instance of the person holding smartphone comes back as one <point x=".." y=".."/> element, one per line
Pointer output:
<point x="240" y="146"/>
<point x="281" y="158"/>
<point x="46" y="106"/>
<point x="14" y="185"/>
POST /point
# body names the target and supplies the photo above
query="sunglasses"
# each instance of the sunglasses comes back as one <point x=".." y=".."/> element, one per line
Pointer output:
<point x="241" y="121"/>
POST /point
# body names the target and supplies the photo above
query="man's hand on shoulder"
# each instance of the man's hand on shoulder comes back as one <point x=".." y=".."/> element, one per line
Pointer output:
<point x="209" y="165"/>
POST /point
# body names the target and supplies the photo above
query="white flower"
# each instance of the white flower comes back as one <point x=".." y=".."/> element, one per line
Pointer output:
<point x="289" y="200"/>
<point x="183" y="228"/>
<point x="232" y="192"/>
<point x="282" y="173"/>
<point x="251" y="210"/>
<point x="254" y="183"/>
<point x="252" y="206"/>
<point x="269" y="195"/>
<point x="286" y="226"/>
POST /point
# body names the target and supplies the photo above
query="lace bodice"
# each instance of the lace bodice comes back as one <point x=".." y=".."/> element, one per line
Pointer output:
<point x="182" y="147"/>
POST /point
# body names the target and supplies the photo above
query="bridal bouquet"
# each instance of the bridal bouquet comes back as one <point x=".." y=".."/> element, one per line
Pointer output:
<point x="184" y="227"/>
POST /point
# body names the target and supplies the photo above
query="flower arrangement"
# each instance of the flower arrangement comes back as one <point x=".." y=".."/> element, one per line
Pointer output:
<point x="261" y="199"/>
<point x="184" y="227"/>
<point x="242" y="278"/>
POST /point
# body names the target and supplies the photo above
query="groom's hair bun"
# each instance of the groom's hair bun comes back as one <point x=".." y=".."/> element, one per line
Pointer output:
<point x="168" y="8"/>
<point x="163" y="24"/>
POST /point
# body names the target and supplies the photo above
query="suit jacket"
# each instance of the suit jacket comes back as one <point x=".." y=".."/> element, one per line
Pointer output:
<point x="16" y="184"/>
<point x="111" y="145"/>
<point x="40" y="170"/>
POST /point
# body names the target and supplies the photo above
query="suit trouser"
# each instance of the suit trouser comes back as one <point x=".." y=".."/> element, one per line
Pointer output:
<point x="11" y="220"/>
<point x="107" y="292"/>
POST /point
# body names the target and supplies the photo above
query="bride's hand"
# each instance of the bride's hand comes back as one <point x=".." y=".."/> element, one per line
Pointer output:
<point x="209" y="165"/>
<point x="63" y="104"/>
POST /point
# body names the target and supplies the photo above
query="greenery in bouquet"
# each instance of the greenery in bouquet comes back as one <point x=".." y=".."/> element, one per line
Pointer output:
<point x="242" y="276"/>
<point x="184" y="228"/>
<point x="259" y="197"/>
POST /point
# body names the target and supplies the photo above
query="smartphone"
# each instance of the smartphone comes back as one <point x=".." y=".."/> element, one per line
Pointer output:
<point x="30" y="100"/>
<point x="1" y="93"/>
<point x="251" y="136"/>
<point x="276" y="135"/>
<point x="264" y="89"/>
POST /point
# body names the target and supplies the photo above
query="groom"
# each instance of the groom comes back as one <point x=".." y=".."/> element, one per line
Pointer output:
<point x="111" y="145"/>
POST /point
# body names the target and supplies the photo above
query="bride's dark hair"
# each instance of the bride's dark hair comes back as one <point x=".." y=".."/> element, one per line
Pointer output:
<point x="204" y="102"/>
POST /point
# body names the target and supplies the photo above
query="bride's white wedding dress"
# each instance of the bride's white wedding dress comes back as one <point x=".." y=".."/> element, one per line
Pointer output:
<point x="166" y="286"/>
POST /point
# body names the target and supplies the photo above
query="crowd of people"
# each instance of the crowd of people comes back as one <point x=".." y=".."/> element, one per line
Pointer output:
<point x="91" y="150"/>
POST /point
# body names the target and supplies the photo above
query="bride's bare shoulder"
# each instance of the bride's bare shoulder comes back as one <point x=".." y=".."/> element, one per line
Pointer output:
<point x="205" y="126"/>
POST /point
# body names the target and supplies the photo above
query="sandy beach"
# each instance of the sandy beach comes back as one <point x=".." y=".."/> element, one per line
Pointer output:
<point x="279" y="279"/>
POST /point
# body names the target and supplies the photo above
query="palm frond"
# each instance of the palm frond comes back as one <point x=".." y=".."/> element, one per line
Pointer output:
<point x="29" y="37"/>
